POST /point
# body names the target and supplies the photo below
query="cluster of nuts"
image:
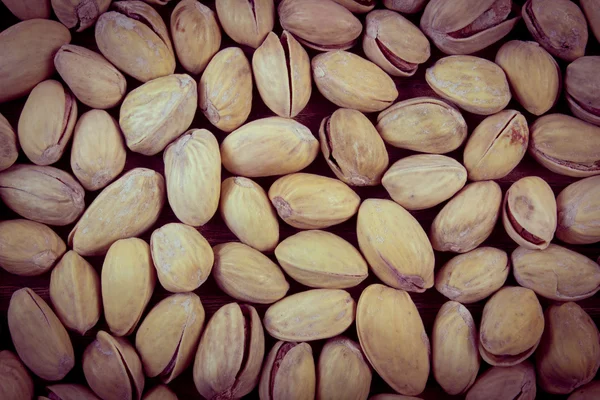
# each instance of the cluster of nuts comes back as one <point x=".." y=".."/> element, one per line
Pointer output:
<point x="227" y="350"/>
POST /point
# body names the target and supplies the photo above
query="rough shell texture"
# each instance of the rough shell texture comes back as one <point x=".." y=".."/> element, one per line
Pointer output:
<point x="516" y="382"/>
<point x="28" y="9"/>
<point x="160" y="392"/>
<point x="579" y="212"/>
<point x="357" y="6"/>
<point x="405" y="6"/>
<point x="15" y="382"/>
<point x="582" y="85"/>
<point x="246" y="21"/>
<point x="9" y="151"/>
<point x="588" y="391"/>
<point x="79" y="14"/>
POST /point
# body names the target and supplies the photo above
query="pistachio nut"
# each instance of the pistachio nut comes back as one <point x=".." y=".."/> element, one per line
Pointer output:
<point x="41" y="341"/>
<point x="589" y="391"/>
<point x="516" y="382"/>
<point x="127" y="281"/>
<point x="43" y="194"/>
<point x="28" y="248"/>
<point x="390" y="396"/>
<point x="350" y="81"/>
<point x="248" y="213"/>
<point x="68" y="391"/>
<point x="193" y="176"/>
<point x="392" y="335"/>
<point x="423" y="124"/>
<point x="582" y="85"/>
<point x="405" y="6"/>
<point x="558" y="25"/>
<point x="269" y="146"/>
<point x="125" y="208"/>
<point x="395" y="245"/>
<point x="578" y="208"/>
<point x="169" y="334"/>
<point x="230" y="353"/>
<point x="9" y="148"/>
<point x="29" y="9"/>
<point x="423" y="181"/>
<point x="468" y="219"/>
<point x="569" y="353"/>
<point x="225" y="89"/>
<point x="591" y="9"/>
<point x="320" y="24"/>
<point x="157" y="2"/>
<point x="15" y="382"/>
<point x="281" y="70"/>
<point x="511" y="326"/>
<point x="556" y="273"/>
<point x="358" y="6"/>
<point x="160" y="392"/>
<point x="308" y="201"/>
<point x="321" y="259"/>
<point x="248" y="275"/>
<point x="247" y="22"/>
<point x="394" y="43"/>
<point x="79" y="14"/>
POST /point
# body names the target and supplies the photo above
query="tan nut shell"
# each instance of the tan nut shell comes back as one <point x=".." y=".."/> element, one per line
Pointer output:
<point x="588" y="391"/>
<point x="581" y="86"/>
<point x="70" y="391"/>
<point x="80" y="14"/>
<point x="9" y="151"/>
<point x="591" y="9"/>
<point x="28" y="9"/>
<point x="578" y="208"/>
<point x="247" y="22"/>
<point x="389" y="396"/>
<point x="405" y="6"/>
<point x="15" y="382"/>
<point x="160" y="392"/>
<point x="357" y="6"/>
<point x="497" y="383"/>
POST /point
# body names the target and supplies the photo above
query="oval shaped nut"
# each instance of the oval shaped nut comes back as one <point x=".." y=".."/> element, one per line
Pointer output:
<point x="46" y="122"/>
<point x="269" y="146"/>
<point x="578" y="208"/>
<point x="15" y="382"/>
<point x="343" y="371"/>
<point x="473" y="276"/>
<point x="248" y="213"/>
<point x="320" y="25"/>
<point x="468" y="219"/>
<point x="182" y="256"/>
<point x="230" y="353"/>
<point x="394" y="43"/>
<point x="156" y="113"/>
<point x="589" y="391"/>
<point x="125" y="208"/>
<point x="558" y="25"/>
<point x="516" y="382"/>
<point x="127" y="281"/>
<point x="405" y="6"/>
<point x="308" y="201"/>
<point x="160" y="392"/>
<point x="281" y="70"/>
<point x="569" y="353"/>
<point x="591" y="10"/>
<point x="28" y="248"/>
<point x="248" y="275"/>
<point x="8" y="144"/>
<point x="193" y="176"/>
<point x="112" y="368"/>
<point x="556" y="273"/>
<point x="79" y="14"/>
<point x="350" y="81"/>
<point x="135" y="39"/>
<point x="225" y="89"/>
<point x="288" y="372"/>
<point x="566" y="145"/>
<point x="455" y="357"/>
<point x="28" y="9"/>
<point x="247" y="22"/>
<point x="392" y="335"/>
<point x="42" y="194"/>
<point x="534" y="76"/>
<point x="511" y="326"/>
<point x="389" y="396"/>
<point x="69" y="391"/>
<point x="395" y="245"/>
<point x="581" y="86"/>
<point x="423" y="124"/>
<point x="357" y="6"/>
<point x="169" y="334"/>
<point x="41" y="341"/>
<point x="472" y="83"/>
<point x="353" y="148"/>
<point x="321" y="259"/>
<point x="75" y="293"/>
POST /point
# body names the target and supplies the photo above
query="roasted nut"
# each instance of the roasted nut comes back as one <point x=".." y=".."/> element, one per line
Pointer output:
<point x="405" y="6"/>
<point x="581" y="86"/>
<point x="578" y="208"/>
<point x="15" y="382"/>
<point x="28" y="9"/>
<point x="591" y="9"/>
<point x="160" y="392"/>
<point x="68" y="391"/>
<point x="79" y="14"/>
<point x="386" y="396"/>
<point x="246" y="21"/>
<point x="357" y="6"/>
<point x="589" y="391"/>
<point x="516" y="382"/>
<point x="9" y="151"/>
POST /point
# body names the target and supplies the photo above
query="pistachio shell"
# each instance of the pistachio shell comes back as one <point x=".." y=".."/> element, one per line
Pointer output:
<point x="387" y="396"/>
<point x="498" y="383"/>
<point x="357" y="6"/>
<point x="589" y="391"/>
<point x="9" y="151"/>
<point x="579" y="212"/>
<point x="405" y="6"/>
<point x="582" y="86"/>
<point x="15" y="382"/>
<point x="80" y="14"/>
<point x="246" y="21"/>
<point x="70" y="391"/>
<point x="28" y="9"/>
<point x="160" y="392"/>
<point x="591" y="9"/>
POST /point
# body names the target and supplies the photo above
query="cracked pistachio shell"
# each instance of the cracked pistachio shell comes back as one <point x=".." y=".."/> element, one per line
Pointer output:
<point x="569" y="353"/>
<point x="41" y="341"/>
<point x="28" y="248"/>
<point x="578" y="208"/>
<point x="127" y="281"/>
<point x="498" y="383"/>
<point x="350" y="81"/>
<point x="9" y="150"/>
<point x="15" y="382"/>
<point x="230" y="353"/>
<point x="46" y="122"/>
<point x="269" y="146"/>
<point x="225" y="89"/>
<point x="455" y="357"/>
<point x="591" y="9"/>
<point x="589" y="391"/>
<point x="160" y="392"/>
<point x="394" y="43"/>
<point x="556" y="273"/>
<point x="558" y="25"/>
<point x="473" y="276"/>
<point x="75" y="293"/>
<point x="288" y="373"/>
<point x="126" y="208"/>
<point x="343" y="371"/>
<point x="309" y="201"/>
<point x="42" y="194"/>
<point x="566" y="145"/>
<point x="193" y="176"/>
<point x="68" y="391"/>
<point x="468" y="219"/>
<point x="405" y="6"/>
<point x="247" y="22"/>
<point x="358" y="6"/>
<point x="79" y="14"/>
<point x="196" y="35"/>
<point x="281" y="69"/>
<point x="582" y="86"/>
<point x="135" y="39"/>
<point x="169" y="334"/>
<point x="395" y="245"/>
<point x="511" y="326"/>
<point x="29" y="9"/>
<point x="472" y="83"/>
<point x="112" y="368"/>
<point x="392" y="335"/>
